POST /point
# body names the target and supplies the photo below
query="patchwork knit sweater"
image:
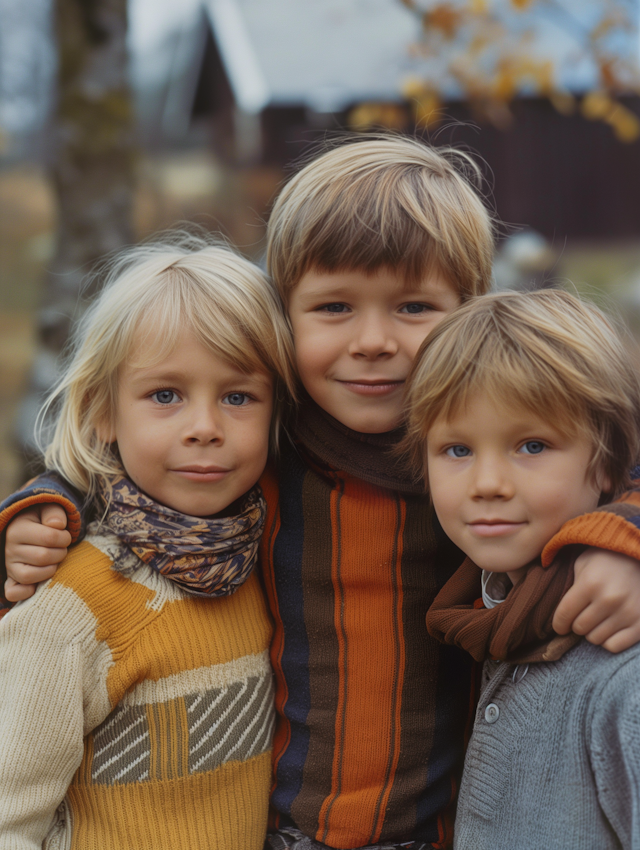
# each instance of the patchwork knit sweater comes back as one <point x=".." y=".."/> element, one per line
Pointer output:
<point x="133" y="715"/>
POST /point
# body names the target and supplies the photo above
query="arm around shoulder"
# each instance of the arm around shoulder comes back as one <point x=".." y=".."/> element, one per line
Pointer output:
<point x="30" y="540"/>
<point x="615" y="527"/>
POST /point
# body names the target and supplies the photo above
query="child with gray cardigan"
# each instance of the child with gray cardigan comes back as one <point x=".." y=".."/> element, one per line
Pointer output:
<point x="524" y="412"/>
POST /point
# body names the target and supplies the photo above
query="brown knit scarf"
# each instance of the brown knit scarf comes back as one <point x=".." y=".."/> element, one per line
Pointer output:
<point x="517" y="630"/>
<point x="369" y="457"/>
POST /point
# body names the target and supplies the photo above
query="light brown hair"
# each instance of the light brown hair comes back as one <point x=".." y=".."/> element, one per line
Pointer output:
<point x="387" y="201"/>
<point x="547" y="352"/>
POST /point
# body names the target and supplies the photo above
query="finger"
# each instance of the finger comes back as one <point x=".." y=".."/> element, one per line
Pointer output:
<point x="604" y="630"/>
<point x="623" y="639"/>
<point x="15" y="592"/>
<point x="575" y="600"/>
<point x="35" y="556"/>
<point x="54" y="516"/>
<point x="27" y="574"/>
<point x="21" y="533"/>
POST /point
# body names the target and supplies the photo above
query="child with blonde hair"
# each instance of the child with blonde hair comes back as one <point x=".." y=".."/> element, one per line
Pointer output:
<point x="524" y="412"/>
<point x="370" y="246"/>
<point x="136" y="697"/>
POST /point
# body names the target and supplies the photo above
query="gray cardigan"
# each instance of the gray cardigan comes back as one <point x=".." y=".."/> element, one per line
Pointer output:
<point x="554" y="760"/>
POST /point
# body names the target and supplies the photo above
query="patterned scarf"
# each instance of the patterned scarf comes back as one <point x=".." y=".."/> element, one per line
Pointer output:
<point x="517" y="630"/>
<point x="205" y="557"/>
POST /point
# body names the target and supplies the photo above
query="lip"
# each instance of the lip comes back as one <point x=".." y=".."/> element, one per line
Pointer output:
<point x="494" y="527"/>
<point x="372" y="388"/>
<point x="202" y="473"/>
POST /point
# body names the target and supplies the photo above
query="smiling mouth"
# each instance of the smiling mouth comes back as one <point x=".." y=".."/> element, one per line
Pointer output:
<point x="375" y="388"/>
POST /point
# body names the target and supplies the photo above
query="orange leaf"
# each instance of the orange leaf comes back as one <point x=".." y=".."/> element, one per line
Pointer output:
<point x="596" y="106"/>
<point x="625" y="124"/>
<point x="426" y="110"/>
<point x="445" y="18"/>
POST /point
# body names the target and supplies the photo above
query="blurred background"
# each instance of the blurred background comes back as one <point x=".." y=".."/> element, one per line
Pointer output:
<point x="118" y="119"/>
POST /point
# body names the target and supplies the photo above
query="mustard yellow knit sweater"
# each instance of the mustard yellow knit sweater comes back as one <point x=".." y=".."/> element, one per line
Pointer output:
<point x="132" y="715"/>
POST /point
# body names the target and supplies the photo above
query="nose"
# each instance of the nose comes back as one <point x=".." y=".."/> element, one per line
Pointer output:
<point x="491" y="479"/>
<point x="203" y="425"/>
<point x="374" y="337"/>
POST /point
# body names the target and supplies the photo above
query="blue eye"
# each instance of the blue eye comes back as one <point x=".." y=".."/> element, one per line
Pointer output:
<point x="165" y="397"/>
<point x="237" y="399"/>
<point x="533" y="447"/>
<point x="458" y="451"/>
<point x="334" y="308"/>
<point x="414" y="309"/>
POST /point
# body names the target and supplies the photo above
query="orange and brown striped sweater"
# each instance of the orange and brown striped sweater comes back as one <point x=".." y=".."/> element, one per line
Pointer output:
<point x="133" y="715"/>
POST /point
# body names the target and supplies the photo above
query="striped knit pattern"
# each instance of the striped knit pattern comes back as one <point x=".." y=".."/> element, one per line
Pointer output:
<point x="615" y="527"/>
<point x="371" y="710"/>
<point x="143" y="717"/>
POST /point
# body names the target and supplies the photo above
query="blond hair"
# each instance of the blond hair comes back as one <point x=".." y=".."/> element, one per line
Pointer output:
<point x="546" y="352"/>
<point x="151" y="294"/>
<point x="387" y="201"/>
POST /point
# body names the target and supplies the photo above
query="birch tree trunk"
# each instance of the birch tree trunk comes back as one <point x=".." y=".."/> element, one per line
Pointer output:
<point x="91" y="166"/>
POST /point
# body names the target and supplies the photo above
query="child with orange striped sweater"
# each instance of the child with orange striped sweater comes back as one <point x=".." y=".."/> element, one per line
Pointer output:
<point x="144" y="716"/>
<point x="370" y="245"/>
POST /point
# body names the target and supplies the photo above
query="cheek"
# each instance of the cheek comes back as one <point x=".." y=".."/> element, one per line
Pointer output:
<point x="310" y="362"/>
<point x="413" y="338"/>
<point x="444" y="494"/>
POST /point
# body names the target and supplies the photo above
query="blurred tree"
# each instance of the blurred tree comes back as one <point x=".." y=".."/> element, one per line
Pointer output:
<point x="486" y="52"/>
<point x="91" y="163"/>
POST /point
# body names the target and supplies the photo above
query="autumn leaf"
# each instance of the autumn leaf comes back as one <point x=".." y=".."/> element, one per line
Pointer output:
<point x="368" y="115"/>
<point x="597" y="106"/>
<point x="474" y="47"/>
<point x="426" y="105"/>
<point x="445" y="18"/>
<point x="625" y="124"/>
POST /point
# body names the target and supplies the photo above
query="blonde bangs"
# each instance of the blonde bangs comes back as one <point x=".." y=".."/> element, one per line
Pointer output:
<point x="546" y="353"/>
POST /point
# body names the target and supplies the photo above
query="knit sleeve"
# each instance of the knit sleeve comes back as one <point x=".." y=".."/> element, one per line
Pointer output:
<point x="45" y="489"/>
<point x="615" y="527"/>
<point x="613" y="737"/>
<point x="47" y="689"/>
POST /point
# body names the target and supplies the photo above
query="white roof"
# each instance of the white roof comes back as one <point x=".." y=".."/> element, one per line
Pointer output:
<point x="329" y="54"/>
<point x="325" y="54"/>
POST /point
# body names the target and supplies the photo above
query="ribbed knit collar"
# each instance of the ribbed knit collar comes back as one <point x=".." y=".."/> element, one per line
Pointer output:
<point x="366" y="456"/>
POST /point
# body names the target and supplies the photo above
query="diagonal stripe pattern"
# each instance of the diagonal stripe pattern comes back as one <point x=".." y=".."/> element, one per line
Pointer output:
<point x="191" y="734"/>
